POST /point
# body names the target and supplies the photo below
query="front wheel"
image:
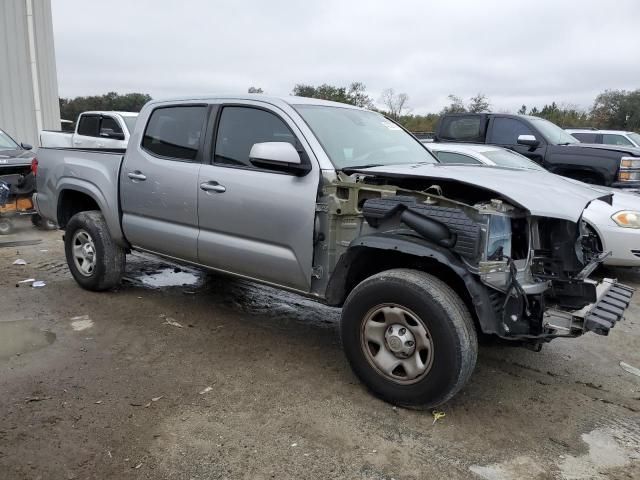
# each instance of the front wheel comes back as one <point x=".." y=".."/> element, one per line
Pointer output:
<point x="95" y="261"/>
<point x="409" y="337"/>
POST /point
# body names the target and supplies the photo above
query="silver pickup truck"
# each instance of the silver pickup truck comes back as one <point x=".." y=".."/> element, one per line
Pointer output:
<point x="344" y="206"/>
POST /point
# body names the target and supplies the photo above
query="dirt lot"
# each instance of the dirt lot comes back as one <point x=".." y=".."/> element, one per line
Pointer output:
<point x="253" y="384"/>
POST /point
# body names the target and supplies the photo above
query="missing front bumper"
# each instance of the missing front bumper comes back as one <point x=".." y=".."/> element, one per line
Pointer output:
<point x="609" y="309"/>
<point x="612" y="299"/>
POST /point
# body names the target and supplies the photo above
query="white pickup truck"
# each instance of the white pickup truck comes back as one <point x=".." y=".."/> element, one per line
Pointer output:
<point x="94" y="129"/>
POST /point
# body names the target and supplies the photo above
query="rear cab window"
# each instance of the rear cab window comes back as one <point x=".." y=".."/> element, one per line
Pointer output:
<point x="175" y="132"/>
<point x="462" y="128"/>
<point x="89" y="125"/>
<point x="456" y="158"/>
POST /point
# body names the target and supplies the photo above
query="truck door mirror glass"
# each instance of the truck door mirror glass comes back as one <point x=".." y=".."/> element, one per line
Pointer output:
<point x="529" y="140"/>
<point x="26" y="146"/>
<point x="281" y="156"/>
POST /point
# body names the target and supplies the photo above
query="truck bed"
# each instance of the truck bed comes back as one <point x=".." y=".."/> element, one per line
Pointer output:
<point x="92" y="171"/>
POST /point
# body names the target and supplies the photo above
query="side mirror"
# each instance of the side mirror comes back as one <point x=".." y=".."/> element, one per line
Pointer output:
<point x="26" y="146"/>
<point x="529" y="140"/>
<point x="281" y="156"/>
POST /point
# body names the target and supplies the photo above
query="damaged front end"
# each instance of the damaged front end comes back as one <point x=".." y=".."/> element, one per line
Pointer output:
<point x="530" y="271"/>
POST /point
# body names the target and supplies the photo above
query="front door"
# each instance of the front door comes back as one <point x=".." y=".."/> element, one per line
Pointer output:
<point x="504" y="131"/>
<point x="159" y="182"/>
<point x="253" y="221"/>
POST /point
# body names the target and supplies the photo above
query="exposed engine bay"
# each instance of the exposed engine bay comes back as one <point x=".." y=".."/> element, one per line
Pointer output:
<point x="533" y="269"/>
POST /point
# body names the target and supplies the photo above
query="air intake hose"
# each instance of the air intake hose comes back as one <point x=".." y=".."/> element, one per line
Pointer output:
<point x="428" y="228"/>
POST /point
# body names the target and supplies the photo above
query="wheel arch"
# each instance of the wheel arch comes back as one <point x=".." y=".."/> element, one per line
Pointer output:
<point x="77" y="196"/>
<point x="375" y="253"/>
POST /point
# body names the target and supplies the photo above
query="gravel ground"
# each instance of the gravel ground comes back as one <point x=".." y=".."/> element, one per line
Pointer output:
<point x="219" y="378"/>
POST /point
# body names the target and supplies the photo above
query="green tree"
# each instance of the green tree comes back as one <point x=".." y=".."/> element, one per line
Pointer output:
<point x="70" y="108"/>
<point x="455" y="106"/>
<point x="523" y="110"/>
<point x="355" y="94"/>
<point x="255" y="90"/>
<point x="617" y="109"/>
<point x="479" y="104"/>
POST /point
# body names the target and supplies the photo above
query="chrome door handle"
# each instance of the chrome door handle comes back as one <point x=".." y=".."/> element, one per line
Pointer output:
<point x="212" y="187"/>
<point x="137" y="175"/>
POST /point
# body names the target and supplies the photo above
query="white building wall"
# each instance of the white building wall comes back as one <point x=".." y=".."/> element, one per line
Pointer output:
<point x="28" y="83"/>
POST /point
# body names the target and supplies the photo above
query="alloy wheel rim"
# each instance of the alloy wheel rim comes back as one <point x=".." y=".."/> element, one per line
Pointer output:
<point x="83" y="250"/>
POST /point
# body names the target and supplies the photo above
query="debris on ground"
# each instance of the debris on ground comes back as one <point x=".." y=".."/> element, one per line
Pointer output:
<point x="38" y="284"/>
<point x="137" y="466"/>
<point x="98" y="402"/>
<point x="206" y="390"/>
<point x="294" y="444"/>
<point x="28" y="280"/>
<point x="36" y="399"/>
<point x="437" y="415"/>
<point x="154" y="399"/>
<point x="20" y="261"/>
<point x="81" y="322"/>
<point x="170" y="321"/>
<point x="628" y="368"/>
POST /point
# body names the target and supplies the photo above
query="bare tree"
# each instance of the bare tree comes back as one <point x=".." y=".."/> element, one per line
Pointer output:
<point x="456" y="105"/>
<point x="479" y="103"/>
<point x="395" y="103"/>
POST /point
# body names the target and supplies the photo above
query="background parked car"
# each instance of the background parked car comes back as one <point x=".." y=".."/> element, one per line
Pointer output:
<point x="617" y="225"/>
<point x="93" y="130"/>
<point x="17" y="184"/>
<point x="546" y="144"/>
<point x="606" y="137"/>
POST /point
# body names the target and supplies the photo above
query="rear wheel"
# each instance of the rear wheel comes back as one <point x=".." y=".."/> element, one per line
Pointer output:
<point x="95" y="261"/>
<point x="409" y="337"/>
<point x="6" y="226"/>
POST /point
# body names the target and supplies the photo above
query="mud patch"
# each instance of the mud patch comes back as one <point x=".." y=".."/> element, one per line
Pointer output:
<point x="18" y="337"/>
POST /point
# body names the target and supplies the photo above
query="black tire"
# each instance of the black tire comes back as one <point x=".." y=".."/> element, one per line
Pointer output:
<point x="446" y="318"/>
<point x="6" y="226"/>
<point x="43" y="224"/>
<point x="109" y="257"/>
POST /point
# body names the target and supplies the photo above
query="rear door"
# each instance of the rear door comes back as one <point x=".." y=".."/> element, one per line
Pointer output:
<point x="88" y="131"/>
<point x="257" y="222"/>
<point x="504" y="131"/>
<point x="159" y="182"/>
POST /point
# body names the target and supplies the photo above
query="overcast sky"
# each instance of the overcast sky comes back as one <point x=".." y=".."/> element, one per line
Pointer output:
<point x="514" y="52"/>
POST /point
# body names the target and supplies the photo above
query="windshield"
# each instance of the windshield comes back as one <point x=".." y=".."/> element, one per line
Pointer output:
<point x="507" y="158"/>
<point x="635" y="137"/>
<point x="130" y="122"/>
<point x="553" y="133"/>
<point x="6" y="142"/>
<point x="360" y="138"/>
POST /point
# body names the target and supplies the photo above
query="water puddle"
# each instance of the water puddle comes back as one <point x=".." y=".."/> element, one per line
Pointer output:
<point x="19" y="337"/>
<point x="169" y="277"/>
<point x="149" y="271"/>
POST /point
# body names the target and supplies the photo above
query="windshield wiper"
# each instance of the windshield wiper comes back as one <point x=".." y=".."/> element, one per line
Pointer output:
<point x="354" y="168"/>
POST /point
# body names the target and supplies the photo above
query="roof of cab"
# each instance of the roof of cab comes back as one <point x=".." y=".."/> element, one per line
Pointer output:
<point x="289" y="100"/>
